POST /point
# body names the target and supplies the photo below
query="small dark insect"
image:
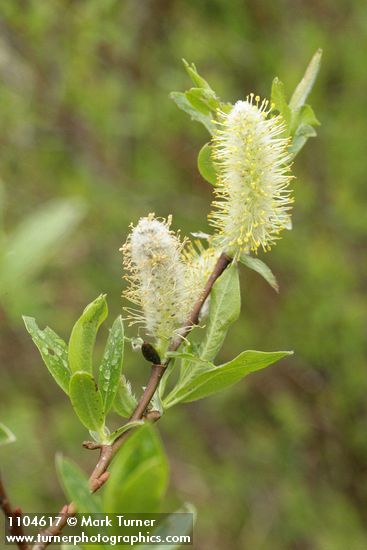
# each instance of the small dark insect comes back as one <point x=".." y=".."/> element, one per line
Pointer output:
<point x="150" y="354"/>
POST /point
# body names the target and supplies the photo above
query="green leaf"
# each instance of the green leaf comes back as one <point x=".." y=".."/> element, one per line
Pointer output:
<point x="301" y="136"/>
<point x="224" y="376"/>
<point x="206" y="165"/>
<point x="225" y="307"/>
<point x="174" y="524"/>
<point x="125" y="428"/>
<point x="279" y="101"/>
<point x="190" y="366"/>
<point x="203" y="100"/>
<point x="304" y="122"/>
<point x="307" y="116"/>
<point x="36" y="239"/>
<point x="260" y="267"/>
<point x="198" y="80"/>
<point x="76" y="486"/>
<point x="6" y="435"/>
<point x="125" y="401"/>
<point x="189" y="357"/>
<point x="139" y="474"/>
<point x="83" y="335"/>
<point x="110" y="369"/>
<point x="53" y="350"/>
<point x="305" y="86"/>
<point x="87" y="401"/>
<point x="184" y="104"/>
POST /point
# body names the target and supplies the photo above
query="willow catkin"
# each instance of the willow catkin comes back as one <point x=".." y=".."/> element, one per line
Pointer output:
<point x="156" y="276"/>
<point x="253" y="199"/>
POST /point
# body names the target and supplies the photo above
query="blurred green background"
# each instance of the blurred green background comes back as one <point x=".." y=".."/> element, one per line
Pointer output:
<point x="279" y="462"/>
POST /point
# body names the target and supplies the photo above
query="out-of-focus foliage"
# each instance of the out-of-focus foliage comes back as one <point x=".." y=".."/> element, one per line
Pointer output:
<point x="6" y="436"/>
<point x="26" y="250"/>
<point x="86" y="114"/>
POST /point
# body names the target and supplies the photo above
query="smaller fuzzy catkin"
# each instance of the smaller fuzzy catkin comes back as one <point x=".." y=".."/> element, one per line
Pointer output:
<point x="157" y="278"/>
<point x="253" y="199"/>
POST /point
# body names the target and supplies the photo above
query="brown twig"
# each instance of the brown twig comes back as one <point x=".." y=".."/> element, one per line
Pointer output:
<point x="100" y="475"/>
<point x="15" y="527"/>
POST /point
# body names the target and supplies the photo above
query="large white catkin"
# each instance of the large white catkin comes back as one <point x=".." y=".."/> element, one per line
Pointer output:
<point x="165" y="280"/>
<point x="152" y="256"/>
<point x="166" y="276"/>
<point x="253" y="198"/>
